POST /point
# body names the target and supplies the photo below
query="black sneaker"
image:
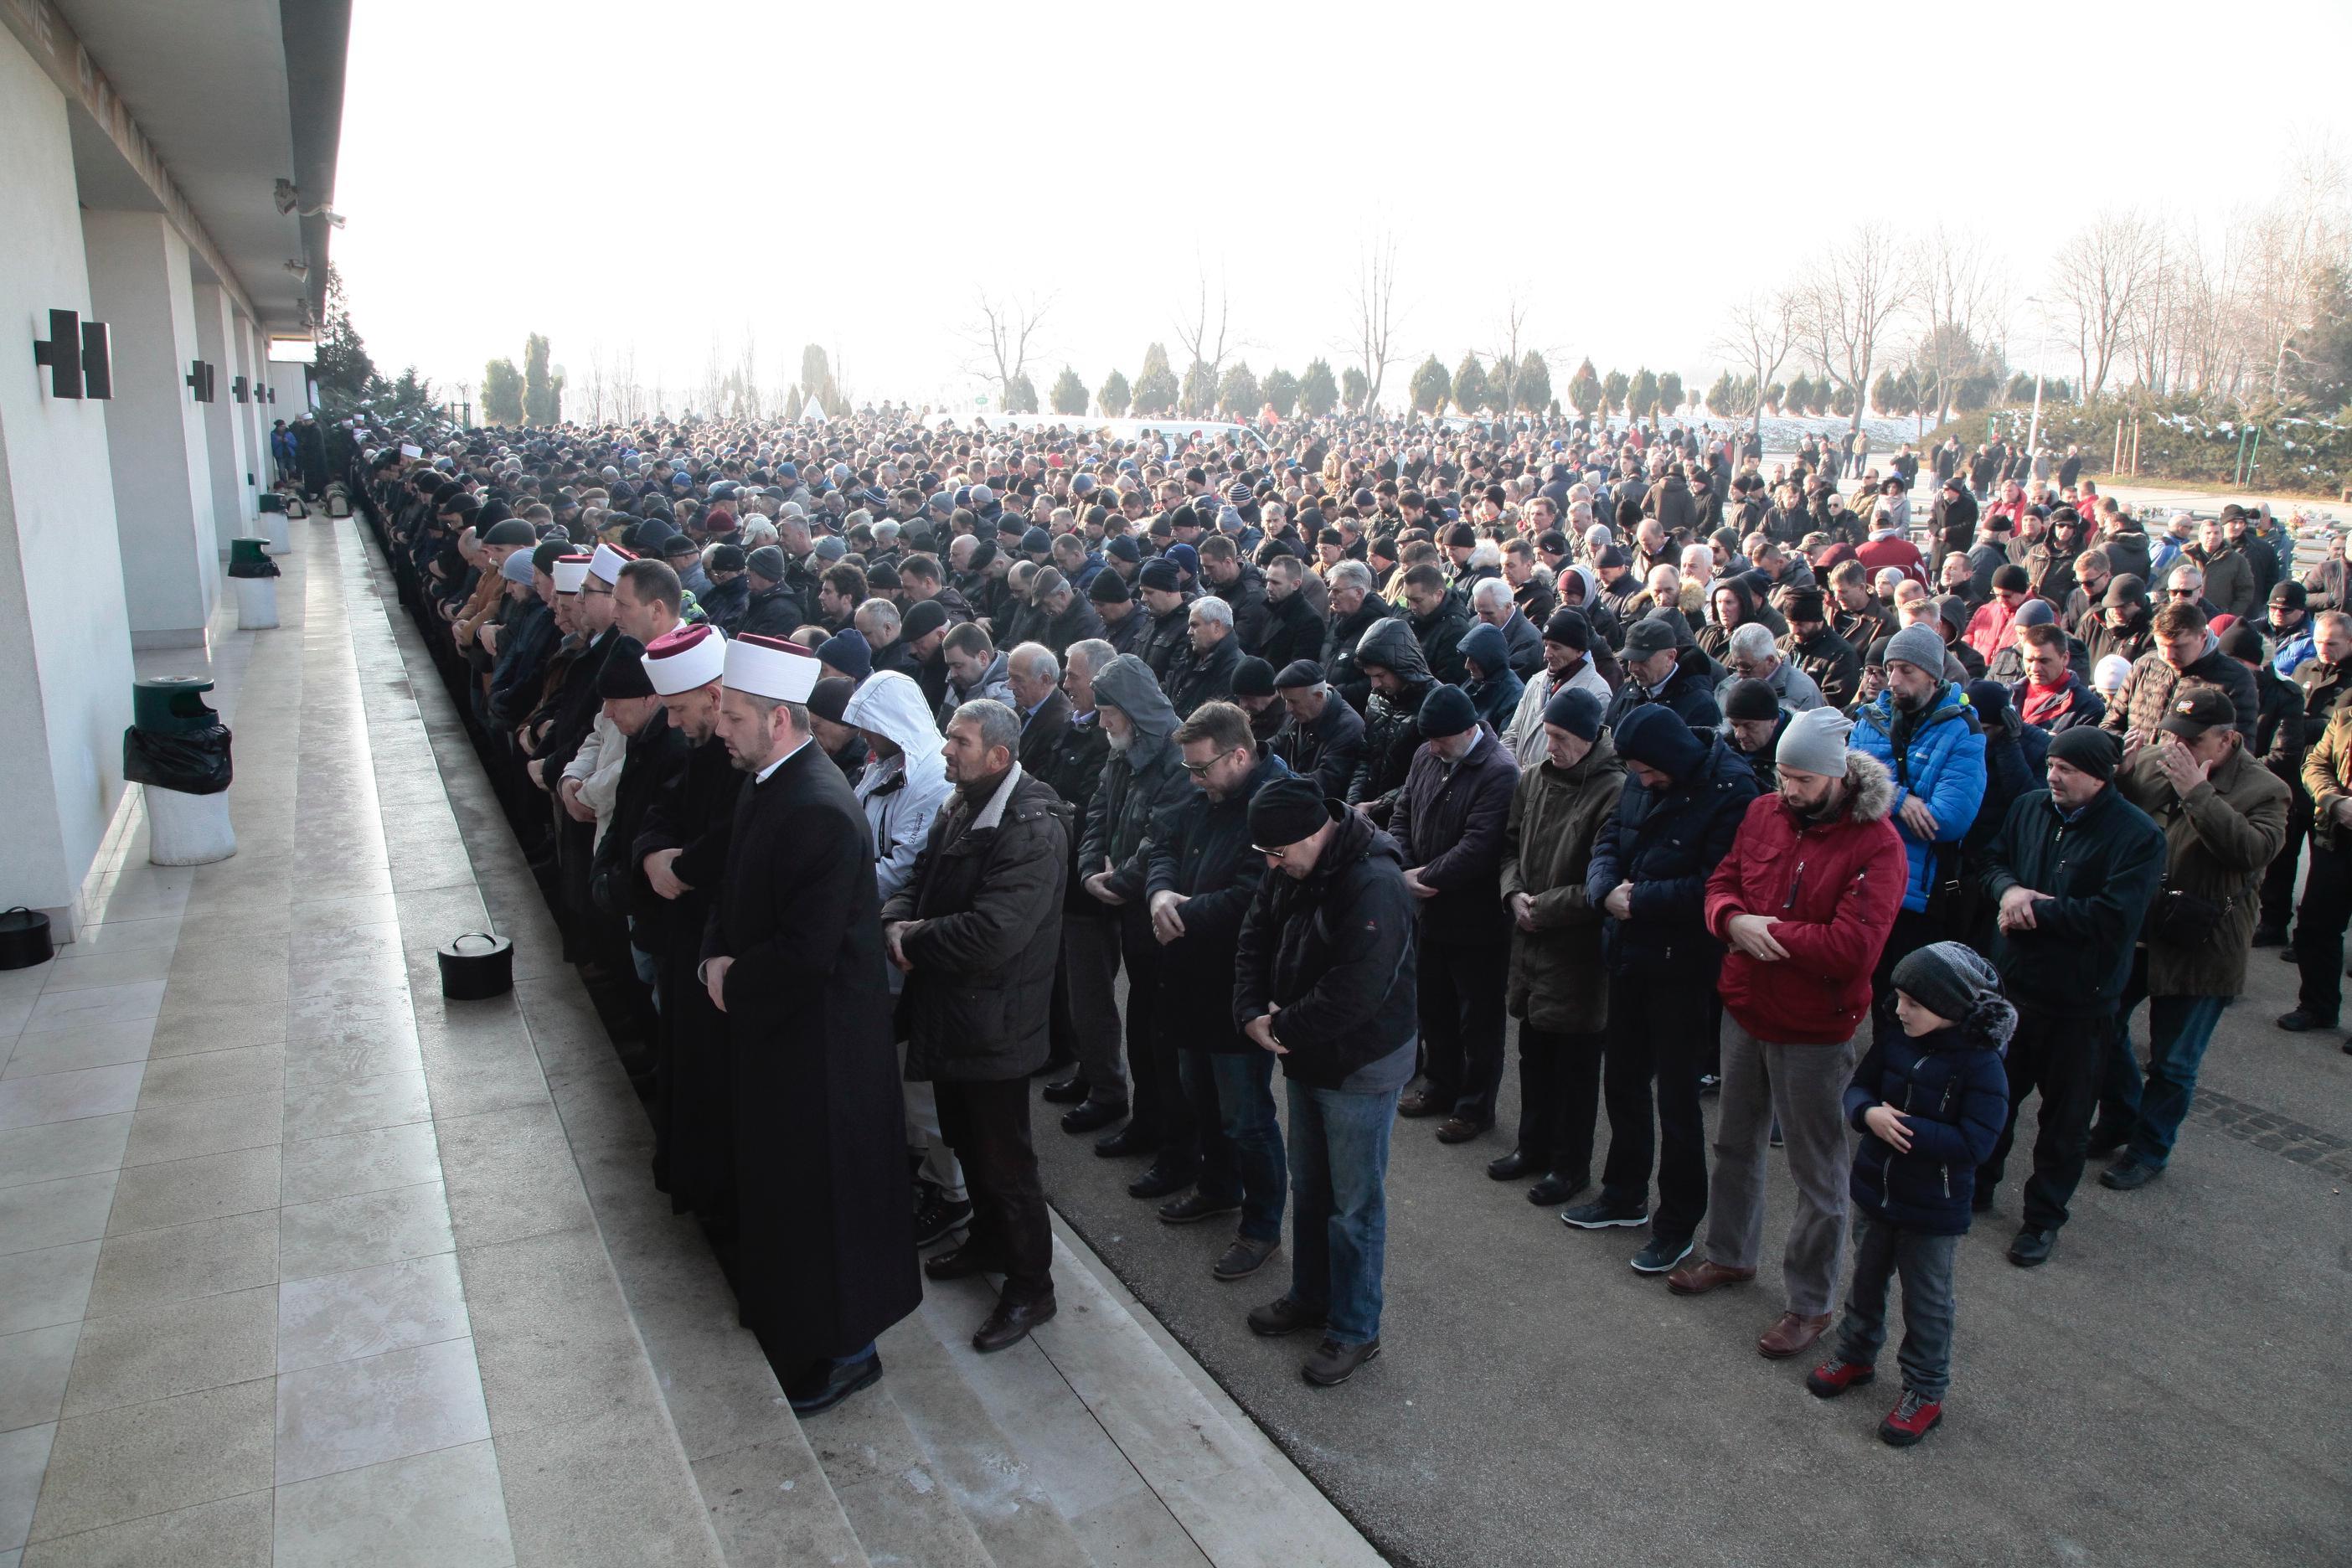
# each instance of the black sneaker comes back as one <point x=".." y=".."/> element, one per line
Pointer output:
<point x="2129" y="1174"/>
<point x="1286" y="1316"/>
<point x="1661" y="1255"/>
<point x="1603" y="1213"/>
<point x="2299" y="1022"/>
<point x="1334" y="1364"/>
<point x="2031" y="1247"/>
<point x="939" y="1217"/>
<point x="1195" y="1206"/>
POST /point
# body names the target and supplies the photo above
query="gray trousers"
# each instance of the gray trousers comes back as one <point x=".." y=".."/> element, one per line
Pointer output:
<point x="1804" y="1088"/>
<point x="1090" y="973"/>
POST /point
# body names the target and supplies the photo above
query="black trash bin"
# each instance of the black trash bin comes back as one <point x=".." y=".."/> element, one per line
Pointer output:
<point x="178" y="749"/>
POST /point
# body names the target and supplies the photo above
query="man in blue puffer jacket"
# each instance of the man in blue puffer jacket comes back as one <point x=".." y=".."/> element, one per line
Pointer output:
<point x="1922" y="727"/>
<point x="1930" y="1103"/>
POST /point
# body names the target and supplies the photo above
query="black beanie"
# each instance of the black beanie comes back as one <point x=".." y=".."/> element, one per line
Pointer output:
<point x="624" y="674"/>
<point x="2087" y="750"/>
<point x="1446" y="713"/>
<point x="1253" y="677"/>
<point x="1108" y="588"/>
<point x="1576" y="710"/>
<point x="1950" y="980"/>
<point x="1285" y="811"/>
<point x="1569" y="629"/>
<point x="1747" y="698"/>
<point x="923" y="617"/>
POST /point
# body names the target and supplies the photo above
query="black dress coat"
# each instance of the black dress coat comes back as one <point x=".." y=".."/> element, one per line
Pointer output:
<point x="824" y="1200"/>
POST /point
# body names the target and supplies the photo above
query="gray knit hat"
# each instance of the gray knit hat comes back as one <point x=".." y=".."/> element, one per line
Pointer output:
<point x="1953" y="981"/>
<point x="1918" y="647"/>
<point x="1814" y="743"/>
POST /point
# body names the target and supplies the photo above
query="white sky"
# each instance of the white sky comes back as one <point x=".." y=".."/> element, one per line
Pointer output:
<point x="854" y="174"/>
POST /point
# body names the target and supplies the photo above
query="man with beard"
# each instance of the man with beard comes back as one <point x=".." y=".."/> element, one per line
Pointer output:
<point x="681" y="851"/>
<point x="977" y="934"/>
<point x="1833" y="664"/>
<point x="1354" y="610"/>
<point x="794" y="956"/>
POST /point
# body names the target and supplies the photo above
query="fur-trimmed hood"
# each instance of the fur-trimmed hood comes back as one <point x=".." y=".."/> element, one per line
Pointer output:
<point x="1872" y="787"/>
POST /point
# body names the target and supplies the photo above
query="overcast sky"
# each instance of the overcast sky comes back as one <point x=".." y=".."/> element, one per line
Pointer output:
<point x="858" y="175"/>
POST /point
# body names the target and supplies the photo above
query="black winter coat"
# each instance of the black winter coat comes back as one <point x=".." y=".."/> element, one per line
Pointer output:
<point x="1164" y="640"/>
<point x="977" y="1002"/>
<point x="1439" y="634"/>
<point x="1246" y="597"/>
<point x="1341" y="637"/>
<point x="2100" y="873"/>
<point x="1450" y="821"/>
<point x="1198" y="678"/>
<point x="1953" y="1093"/>
<point x="1334" y="951"/>
<point x="1068" y="757"/>
<point x="1326" y="750"/>
<point x="1293" y="631"/>
<point x="1205" y="855"/>
<point x="1666" y="843"/>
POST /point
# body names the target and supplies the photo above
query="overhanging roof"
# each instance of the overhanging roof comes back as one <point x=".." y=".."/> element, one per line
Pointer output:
<point x="197" y="110"/>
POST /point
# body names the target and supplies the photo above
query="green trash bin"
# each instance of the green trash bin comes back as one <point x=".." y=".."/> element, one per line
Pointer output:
<point x="178" y="749"/>
<point x="250" y="558"/>
<point x="172" y="705"/>
<point x="272" y="502"/>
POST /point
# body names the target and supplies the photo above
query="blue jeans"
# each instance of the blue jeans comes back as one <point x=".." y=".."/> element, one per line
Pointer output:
<point x="1339" y="1181"/>
<point x="1881" y="1248"/>
<point x="2149" y="1112"/>
<point x="1241" y="1140"/>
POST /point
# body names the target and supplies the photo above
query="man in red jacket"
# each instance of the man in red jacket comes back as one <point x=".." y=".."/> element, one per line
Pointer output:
<point x="1805" y="901"/>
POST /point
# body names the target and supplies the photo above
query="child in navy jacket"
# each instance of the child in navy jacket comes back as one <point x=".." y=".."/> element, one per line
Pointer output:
<point x="1931" y="1102"/>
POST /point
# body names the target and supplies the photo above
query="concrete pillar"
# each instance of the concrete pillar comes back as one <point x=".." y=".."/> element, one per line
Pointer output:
<point x="139" y="282"/>
<point x="253" y="420"/>
<point x="225" y="449"/>
<point x="65" y="699"/>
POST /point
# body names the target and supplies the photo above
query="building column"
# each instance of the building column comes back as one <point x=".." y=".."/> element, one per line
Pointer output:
<point x="68" y="698"/>
<point x="140" y="284"/>
<point x="228" y="459"/>
<point x="253" y="420"/>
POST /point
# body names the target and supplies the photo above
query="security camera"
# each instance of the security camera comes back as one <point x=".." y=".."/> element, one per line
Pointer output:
<point x="288" y="196"/>
<point x="301" y="270"/>
<point x="329" y="214"/>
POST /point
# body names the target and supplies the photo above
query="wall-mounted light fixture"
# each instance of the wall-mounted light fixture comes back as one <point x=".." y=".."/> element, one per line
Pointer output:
<point x="199" y="380"/>
<point x="236" y="388"/>
<point x="78" y="356"/>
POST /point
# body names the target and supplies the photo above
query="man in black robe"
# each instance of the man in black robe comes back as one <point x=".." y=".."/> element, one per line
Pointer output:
<point x="680" y="854"/>
<point x="793" y="957"/>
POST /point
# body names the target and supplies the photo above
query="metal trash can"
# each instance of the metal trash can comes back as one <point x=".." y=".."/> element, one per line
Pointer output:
<point x="255" y="576"/>
<point x="177" y="751"/>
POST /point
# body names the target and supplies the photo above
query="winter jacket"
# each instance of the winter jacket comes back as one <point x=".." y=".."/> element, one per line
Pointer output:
<point x="1689" y="691"/>
<point x="2146" y="696"/>
<point x="2322" y="688"/>
<point x="1331" y="956"/>
<point x="1205" y="855"/>
<point x="1832" y="889"/>
<point x="775" y="612"/>
<point x="2098" y="873"/>
<point x="1341" y="636"/>
<point x="1392" y="723"/>
<point x="1942" y="761"/>
<point x="1665" y="842"/>
<point x="1832" y="663"/>
<point x="978" y="990"/>
<point x="1439" y="634"/>
<point x="1246" y="597"/>
<point x="1164" y="639"/>
<point x="1198" y="677"/>
<point x="900" y="795"/>
<point x="1068" y="757"/>
<point x="1449" y="820"/>
<point x="1139" y="784"/>
<point x="1525" y="732"/>
<point x="1293" y="631"/>
<point x="1327" y="750"/>
<point x="2074" y="703"/>
<point x="2229" y="579"/>
<point x="1953" y="1092"/>
<point x="994" y="684"/>
<point x="2219" y="840"/>
<point x="1558" y="980"/>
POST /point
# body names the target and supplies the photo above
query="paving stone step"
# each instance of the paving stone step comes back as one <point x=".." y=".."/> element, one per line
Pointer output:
<point x="896" y="1497"/>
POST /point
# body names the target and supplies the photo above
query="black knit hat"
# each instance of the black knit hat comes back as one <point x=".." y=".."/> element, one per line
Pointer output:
<point x="1285" y="811"/>
<point x="1953" y="981"/>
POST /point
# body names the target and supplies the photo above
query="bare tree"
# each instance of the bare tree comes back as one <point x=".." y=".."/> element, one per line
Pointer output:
<point x="1204" y="339"/>
<point x="1855" y="293"/>
<point x="1511" y="330"/>
<point x="747" y="371"/>
<point x="1373" y="308"/>
<point x="1007" y="335"/>
<point x="2096" y="282"/>
<point x="1759" y="335"/>
<point x="2304" y="225"/>
<point x="1959" y="292"/>
<point x="594" y="385"/>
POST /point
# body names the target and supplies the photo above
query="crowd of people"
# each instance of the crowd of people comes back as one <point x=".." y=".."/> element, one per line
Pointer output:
<point x="1354" y="750"/>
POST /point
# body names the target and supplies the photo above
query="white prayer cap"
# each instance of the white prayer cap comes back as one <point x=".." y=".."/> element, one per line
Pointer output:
<point x="772" y="668"/>
<point x="682" y="659"/>
<point x="569" y="572"/>
<point x="606" y="563"/>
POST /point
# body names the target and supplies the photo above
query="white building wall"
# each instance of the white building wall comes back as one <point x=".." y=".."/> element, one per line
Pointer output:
<point x="139" y="282"/>
<point x="225" y="449"/>
<point x="64" y="652"/>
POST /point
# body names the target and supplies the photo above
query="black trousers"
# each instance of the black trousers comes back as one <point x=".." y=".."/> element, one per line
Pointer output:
<point x="2059" y="1054"/>
<point x="2278" y="882"/>
<point x="1155" y="1082"/>
<point x="2319" y="924"/>
<point x="1657" y="1038"/>
<point x="1559" y="1092"/>
<point x="1912" y="930"/>
<point x="1461" y="1004"/>
<point x="987" y="1125"/>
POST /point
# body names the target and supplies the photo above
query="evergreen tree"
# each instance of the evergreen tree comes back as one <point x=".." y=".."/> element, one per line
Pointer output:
<point x="1430" y="387"/>
<point x="1471" y="392"/>
<point x="1614" y="388"/>
<point x="1114" y="395"/>
<point x="1020" y="397"/>
<point x="1282" y="391"/>
<point x="1199" y="398"/>
<point x="1354" y="387"/>
<point x="1237" y="393"/>
<point x="1720" y="395"/>
<point x="542" y="394"/>
<point x="1642" y="396"/>
<point x="342" y="370"/>
<point x="501" y="393"/>
<point x="1531" y="384"/>
<point x="1069" y="393"/>
<point x="1671" y="396"/>
<point x="1318" y="392"/>
<point x="1155" y="386"/>
<point x="1585" y="391"/>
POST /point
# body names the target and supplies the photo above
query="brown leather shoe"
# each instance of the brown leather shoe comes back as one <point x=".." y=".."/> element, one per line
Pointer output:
<point x="1698" y="1278"/>
<point x="1460" y="1129"/>
<point x="1791" y="1335"/>
<point x="1421" y="1102"/>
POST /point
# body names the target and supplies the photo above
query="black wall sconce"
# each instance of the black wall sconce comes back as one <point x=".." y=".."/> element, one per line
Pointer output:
<point x="236" y="388"/>
<point x="79" y="356"/>
<point x="200" y="380"/>
<point x="273" y="395"/>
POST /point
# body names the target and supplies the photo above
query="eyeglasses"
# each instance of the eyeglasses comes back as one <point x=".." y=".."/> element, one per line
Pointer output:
<point x="1197" y="769"/>
<point x="599" y="593"/>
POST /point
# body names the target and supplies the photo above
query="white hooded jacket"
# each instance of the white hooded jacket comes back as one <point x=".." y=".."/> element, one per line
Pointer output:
<point x="899" y="794"/>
